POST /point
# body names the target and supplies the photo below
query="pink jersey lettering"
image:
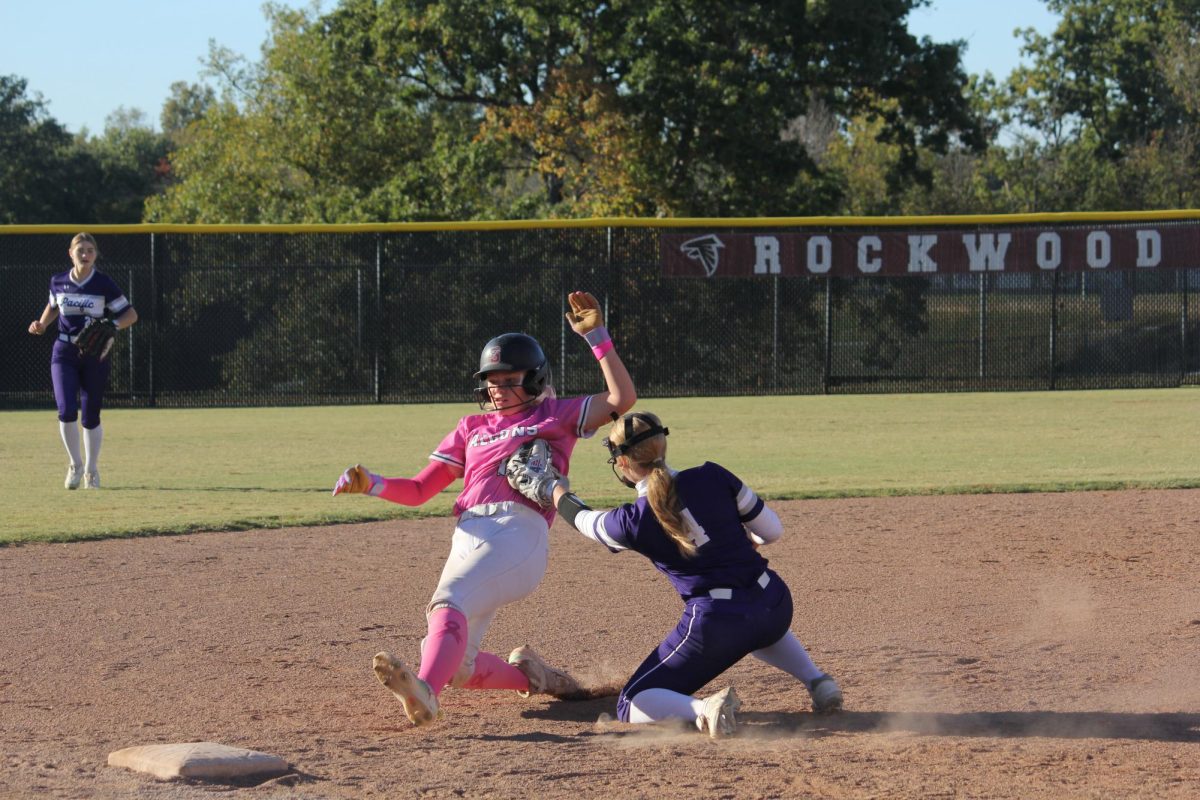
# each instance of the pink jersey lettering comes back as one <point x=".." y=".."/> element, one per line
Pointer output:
<point x="480" y="446"/>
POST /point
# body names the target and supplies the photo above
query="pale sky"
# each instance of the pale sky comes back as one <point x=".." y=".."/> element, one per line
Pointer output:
<point x="88" y="58"/>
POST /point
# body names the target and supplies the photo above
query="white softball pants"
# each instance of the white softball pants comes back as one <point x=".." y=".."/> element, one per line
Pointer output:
<point x="498" y="555"/>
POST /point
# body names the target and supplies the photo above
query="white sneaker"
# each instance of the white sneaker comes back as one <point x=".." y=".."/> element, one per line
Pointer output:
<point x="420" y="703"/>
<point x="543" y="678"/>
<point x="91" y="480"/>
<point x="719" y="716"/>
<point x="826" y="696"/>
<point x="74" y="475"/>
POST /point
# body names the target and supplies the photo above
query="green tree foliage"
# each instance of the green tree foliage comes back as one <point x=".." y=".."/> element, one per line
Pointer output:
<point x="683" y="105"/>
<point x="187" y="103"/>
<point x="50" y="176"/>
<point x="132" y="158"/>
<point x="45" y="175"/>
<point x="408" y="109"/>
<point x="1098" y="73"/>
<point x="319" y="133"/>
<point x="1105" y="117"/>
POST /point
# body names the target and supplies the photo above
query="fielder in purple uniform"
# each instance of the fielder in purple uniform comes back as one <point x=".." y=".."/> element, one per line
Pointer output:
<point x="76" y="295"/>
<point x="701" y="527"/>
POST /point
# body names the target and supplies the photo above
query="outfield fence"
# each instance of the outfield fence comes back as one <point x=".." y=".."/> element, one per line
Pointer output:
<point x="277" y="315"/>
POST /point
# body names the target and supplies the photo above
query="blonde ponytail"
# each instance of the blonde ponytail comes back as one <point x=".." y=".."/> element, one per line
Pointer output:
<point x="650" y="455"/>
<point x="664" y="502"/>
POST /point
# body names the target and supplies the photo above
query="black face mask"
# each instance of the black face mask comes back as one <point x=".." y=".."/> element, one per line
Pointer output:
<point x="615" y="450"/>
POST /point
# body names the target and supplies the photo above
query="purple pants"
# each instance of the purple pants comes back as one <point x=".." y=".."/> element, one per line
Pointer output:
<point x="78" y="380"/>
<point x="712" y="636"/>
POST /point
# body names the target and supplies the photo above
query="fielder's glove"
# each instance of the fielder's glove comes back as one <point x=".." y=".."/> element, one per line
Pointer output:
<point x="530" y="472"/>
<point x="96" y="338"/>
<point x="358" y="480"/>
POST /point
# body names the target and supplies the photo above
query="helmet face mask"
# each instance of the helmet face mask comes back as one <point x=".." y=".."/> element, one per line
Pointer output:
<point x="512" y="352"/>
<point x="630" y="439"/>
<point x="499" y="392"/>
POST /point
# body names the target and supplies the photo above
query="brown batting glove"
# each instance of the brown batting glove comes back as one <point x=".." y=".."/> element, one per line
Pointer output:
<point x="584" y="315"/>
<point x="358" y="480"/>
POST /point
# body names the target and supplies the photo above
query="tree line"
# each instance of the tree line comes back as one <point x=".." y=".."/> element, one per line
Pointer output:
<point x="410" y="110"/>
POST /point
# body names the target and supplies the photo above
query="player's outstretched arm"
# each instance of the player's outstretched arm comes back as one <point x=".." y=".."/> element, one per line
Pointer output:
<point x="586" y="320"/>
<point x="583" y="518"/>
<point x="405" y="491"/>
<point x="358" y="480"/>
<point x="762" y="524"/>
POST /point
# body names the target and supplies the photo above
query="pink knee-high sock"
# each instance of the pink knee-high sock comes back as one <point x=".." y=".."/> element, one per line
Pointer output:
<point x="492" y="672"/>
<point x="445" y="646"/>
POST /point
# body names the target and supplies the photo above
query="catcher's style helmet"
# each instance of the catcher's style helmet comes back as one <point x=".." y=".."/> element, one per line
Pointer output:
<point x="513" y="352"/>
<point x="630" y="439"/>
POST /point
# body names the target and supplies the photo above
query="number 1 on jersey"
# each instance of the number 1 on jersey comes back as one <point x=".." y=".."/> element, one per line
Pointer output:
<point x="694" y="529"/>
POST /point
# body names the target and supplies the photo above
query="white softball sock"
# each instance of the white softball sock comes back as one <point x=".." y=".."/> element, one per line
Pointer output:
<point x="655" y="705"/>
<point x="70" y="437"/>
<point x="790" y="656"/>
<point x="92" y="437"/>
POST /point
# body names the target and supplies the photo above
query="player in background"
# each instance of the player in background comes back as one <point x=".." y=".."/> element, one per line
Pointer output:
<point x="701" y="527"/>
<point x="500" y="544"/>
<point x="76" y="295"/>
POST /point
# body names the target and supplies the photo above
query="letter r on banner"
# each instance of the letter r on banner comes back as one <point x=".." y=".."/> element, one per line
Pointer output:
<point x="766" y="255"/>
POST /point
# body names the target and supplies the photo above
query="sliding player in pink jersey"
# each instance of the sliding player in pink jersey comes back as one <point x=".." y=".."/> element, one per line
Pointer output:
<point x="500" y="545"/>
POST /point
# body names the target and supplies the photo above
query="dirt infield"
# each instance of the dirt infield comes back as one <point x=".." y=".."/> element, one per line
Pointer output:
<point x="989" y="646"/>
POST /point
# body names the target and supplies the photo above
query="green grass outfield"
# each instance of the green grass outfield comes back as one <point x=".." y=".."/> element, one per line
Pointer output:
<point x="179" y="470"/>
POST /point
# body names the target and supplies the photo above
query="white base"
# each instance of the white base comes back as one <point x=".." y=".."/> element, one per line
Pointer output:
<point x="198" y="760"/>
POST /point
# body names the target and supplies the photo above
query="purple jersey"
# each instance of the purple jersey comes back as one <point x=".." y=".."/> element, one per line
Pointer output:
<point x="78" y="301"/>
<point x="716" y="504"/>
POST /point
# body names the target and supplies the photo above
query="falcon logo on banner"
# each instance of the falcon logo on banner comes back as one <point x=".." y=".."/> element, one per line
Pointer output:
<point x="706" y="250"/>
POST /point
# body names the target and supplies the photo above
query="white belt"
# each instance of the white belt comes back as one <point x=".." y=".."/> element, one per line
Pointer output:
<point x="62" y="337"/>
<point x="493" y="509"/>
<point x="727" y="594"/>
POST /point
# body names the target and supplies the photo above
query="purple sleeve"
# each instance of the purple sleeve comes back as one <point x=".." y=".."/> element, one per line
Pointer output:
<point x="749" y="504"/>
<point x="622" y="523"/>
<point x="732" y="482"/>
<point x="114" y="299"/>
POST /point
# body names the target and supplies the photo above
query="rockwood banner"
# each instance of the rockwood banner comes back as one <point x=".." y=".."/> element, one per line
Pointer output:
<point x="900" y="253"/>
<point x="398" y="312"/>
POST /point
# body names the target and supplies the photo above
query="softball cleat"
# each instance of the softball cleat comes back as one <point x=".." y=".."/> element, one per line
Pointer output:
<point x="74" y="475"/>
<point x="543" y="678"/>
<point x="91" y="480"/>
<point x="719" y="717"/>
<point x="419" y="701"/>
<point x="826" y="696"/>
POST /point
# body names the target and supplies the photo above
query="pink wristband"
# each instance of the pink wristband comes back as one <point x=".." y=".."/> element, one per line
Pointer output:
<point x="602" y="349"/>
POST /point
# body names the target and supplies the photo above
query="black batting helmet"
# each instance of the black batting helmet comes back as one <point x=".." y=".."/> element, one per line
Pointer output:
<point x="513" y="352"/>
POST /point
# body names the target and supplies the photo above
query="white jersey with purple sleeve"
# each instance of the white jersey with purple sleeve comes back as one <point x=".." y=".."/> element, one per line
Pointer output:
<point x="716" y="508"/>
<point x="76" y="302"/>
<point x="481" y="444"/>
